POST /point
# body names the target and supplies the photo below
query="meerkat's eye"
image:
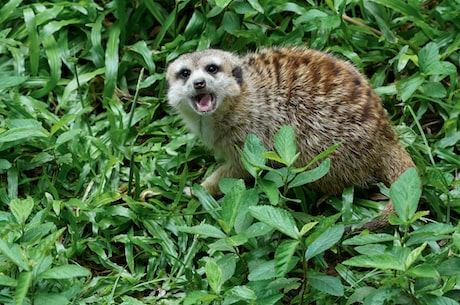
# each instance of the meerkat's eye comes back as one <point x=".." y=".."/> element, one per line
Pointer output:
<point x="184" y="73"/>
<point x="213" y="69"/>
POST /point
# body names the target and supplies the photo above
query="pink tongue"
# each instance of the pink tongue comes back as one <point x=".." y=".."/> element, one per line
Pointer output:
<point x="205" y="104"/>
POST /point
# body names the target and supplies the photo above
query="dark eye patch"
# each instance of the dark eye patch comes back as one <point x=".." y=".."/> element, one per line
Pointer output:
<point x="213" y="69"/>
<point x="184" y="73"/>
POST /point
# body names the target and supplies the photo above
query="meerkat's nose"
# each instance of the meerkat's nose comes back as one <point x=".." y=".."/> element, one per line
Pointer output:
<point x="199" y="84"/>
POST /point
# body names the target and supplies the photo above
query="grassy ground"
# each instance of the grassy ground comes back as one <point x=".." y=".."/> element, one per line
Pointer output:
<point x="93" y="162"/>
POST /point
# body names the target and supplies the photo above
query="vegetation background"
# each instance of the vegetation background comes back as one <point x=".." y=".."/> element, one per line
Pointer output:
<point x="93" y="162"/>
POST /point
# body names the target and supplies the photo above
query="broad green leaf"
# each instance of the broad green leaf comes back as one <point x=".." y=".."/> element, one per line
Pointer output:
<point x="7" y="281"/>
<point x="197" y="297"/>
<point x="270" y="189"/>
<point x="21" y="209"/>
<point x="359" y="295"/>
<point x="22" y="288"/>
<point x="205" y="230"/>
<point x="325" y="283"/>
<point x="227" y="265"/>
<point x="70" y="135"/>
<point x="21" y="130"/>
<point x="65" y="272"/>
<point x="258" y="229"/>
<point x="324" y="241"/>
<point x="347" y="203"/>
<point x="308" y="16"/>
<point x="449" y="266"/>
<point x="307" y="227"/>
<point x="414" y="254"/>
<point x="366" y="239"/>
<point x="11" y="81"/>
<point x="311" y="175"/>
<point x="63" y="121"/>
<point x="405" y="194"/>
<point x="231" y="22"/>
<point x="407" y="86"/>
<point x="252" y="155"/>
<point x="214" y="276"/>
<point x="262" y="270"/>
<point x="46" y="298"/>
<point x="448" y="68"/>
<point x="231" y="204"/>
<point x="236" y="240"/>
<point x="5" y="164"/>
<point x="423" y="271"/>
<point x="106" y="198"/>
<point x="223" y="3"/>
<point x="195" y="24"/>
<point x="240" y="293"/>
<point x="145" y="52"/>
<point x="21" y="133"/>
<point x="229" y="244"/>
<point x="278" y="218"/>
<point x="382" y="294"/>
<point x="379" y="261"/>
<point x="285" y="145"/>
<point x="283" y="256"/>
<point x="450" y="140"/>
<point x="47" y="243"/>
<point x="407" y="136"/>
<point x="13" y="182"/>
<point x="428" y="59"/>
<point x="256" y="5"/>
<point x="244" y="220"/>
<point x="290" y="7"/>
<point x="371" y="249"/>
<point x="438" y="300"/>
<point x="273" y="156"/>
<point x="433" y="89"/>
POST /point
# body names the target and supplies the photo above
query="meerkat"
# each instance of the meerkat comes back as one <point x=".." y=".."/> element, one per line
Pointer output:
<point x="223" y="97"/>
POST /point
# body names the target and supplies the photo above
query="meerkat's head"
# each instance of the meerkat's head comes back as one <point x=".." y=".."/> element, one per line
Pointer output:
<point x="202" y="81"/>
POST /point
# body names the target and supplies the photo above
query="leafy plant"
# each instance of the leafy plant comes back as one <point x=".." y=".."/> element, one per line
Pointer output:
<point x="93" y="162"/>
<point x="33" y="257"/>
<point x="246" y="221"/>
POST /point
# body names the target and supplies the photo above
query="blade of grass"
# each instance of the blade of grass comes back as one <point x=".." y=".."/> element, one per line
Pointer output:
<point x="34" y="45"/>
<point x="8" y="9"/>
<point x="111" y="61"/>
<point x="55" y="64"/>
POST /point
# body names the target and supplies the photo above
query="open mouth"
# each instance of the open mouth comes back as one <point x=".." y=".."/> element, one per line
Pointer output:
<point x="204" y="102"/>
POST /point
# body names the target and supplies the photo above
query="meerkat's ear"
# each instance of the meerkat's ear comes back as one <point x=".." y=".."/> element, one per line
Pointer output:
<point x="237" y="73"/>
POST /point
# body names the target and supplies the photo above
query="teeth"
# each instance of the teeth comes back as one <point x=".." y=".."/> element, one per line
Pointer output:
<point x="204" y="102"/>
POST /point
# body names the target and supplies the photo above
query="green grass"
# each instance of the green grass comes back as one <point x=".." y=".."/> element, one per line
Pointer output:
<point x="93" y="162"/>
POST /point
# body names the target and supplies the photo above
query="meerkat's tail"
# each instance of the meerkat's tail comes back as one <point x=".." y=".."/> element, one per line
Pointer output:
<point x="394" y="163"/>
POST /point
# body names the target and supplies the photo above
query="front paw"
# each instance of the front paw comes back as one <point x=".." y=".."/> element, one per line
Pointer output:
<point x="211" y="186"/>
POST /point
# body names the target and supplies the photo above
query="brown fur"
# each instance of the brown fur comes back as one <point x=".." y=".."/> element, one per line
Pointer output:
<point x="324" y="99"/>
